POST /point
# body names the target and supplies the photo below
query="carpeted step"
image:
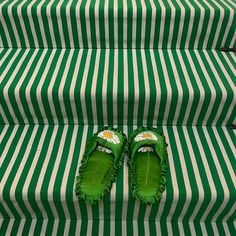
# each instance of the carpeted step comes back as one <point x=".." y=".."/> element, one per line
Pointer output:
<point x="118" y="24"/>
<point x="103" y="227"/>
<point x="39" y="165"/>
<point x="130" y="86"/>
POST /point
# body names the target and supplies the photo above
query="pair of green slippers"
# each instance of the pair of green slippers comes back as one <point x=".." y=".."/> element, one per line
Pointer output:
<point x="104" y="155"/>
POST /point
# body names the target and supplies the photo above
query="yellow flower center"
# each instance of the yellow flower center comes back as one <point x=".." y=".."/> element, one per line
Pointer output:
<point x="107" y="135"/>
<point x="147" y="135"/>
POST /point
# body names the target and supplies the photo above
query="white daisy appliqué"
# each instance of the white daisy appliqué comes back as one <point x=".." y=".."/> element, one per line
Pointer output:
<point x="110" y="136"/>
<point x="146" y="149"/>
<point x="103" y="149"/>
<point x="145" y="135"/>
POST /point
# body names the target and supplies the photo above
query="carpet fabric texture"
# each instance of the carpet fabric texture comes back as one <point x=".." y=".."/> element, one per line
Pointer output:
<point x="70" y="67"/>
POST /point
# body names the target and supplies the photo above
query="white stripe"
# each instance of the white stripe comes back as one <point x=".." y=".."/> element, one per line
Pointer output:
<point x="179" y="88"/>
<point x="50" y="24"/>
<point x="211" y="86"/>
<point x="4" y="25"/>
<point x="55" y="227"/>
<point x="88" y="25"/>
<point x="54" y="173"/>
<point x="226" y="228"/>
<point x="106" y="23"/>
<point x="41" y="25"/>
<point x="115" y="17"/>
<point x="146" y="87"/>
<point x="83" y="86"/>
<point x="73" y="85"/>
<point x="115" y="87"/>
<point x="189" y="85"/>
<point x="153" y="23"/>
<point x="43" y="171"/>
<point x="19" y="84"/>
<point x="184" y="174"/>
<point x="29" y="86"/>
<point x="197" y="174"/>
<point x="67" y="171"/>
<point x="80" y="156"/>
<point x="3" y="132"/>
<point x="31" y="22"/>
<point x="22" y="24"/>
<point x="208" y="175"/>
<point x="51" y="85"/>
<point x="146" y="227"/>
<point x="168" y="87"/>
<point x="1" y="221"/>
<point x="7" y="146"/>
<point x="93" y="92"/>
<point x="229" y="64"/>
<point x="62" y="85"/>
<point x="136" y="87"/>
<point x="32" y="226"/>
<point x="220" y="174"/>
<point x="143" y="22"/>
<point x="200" y="86"/>
<point x="69" y="25"/>
<point x="192" y="228"/>
<point x="3" y="59"/>
<point x="101" y="217"/>
<point x="125" y="88"/>
<point x="172" y="24"/>
<point x="104" y="87"/>
<point x="134" y="25"/>
<point x="214" y="227"/>
<point x="219" y="26"/>
<point x="232" y="43"/>
<point x="135" y="227"/>
<point x="59" y="21"/>
<point x="21" y="227"/>
<point x="67" y="227"/>
<point x="200" y="24"/>
<point x="77" y="14"/>
<point x="78" y="227"/>
<point x="125" y="23"/>
<point x="190" y="23"/>
<point x="3" y="115"/>
<point x="40" y="85"/>
<point x="209" y="26"/>
<point x="221" y="85"/>
<point x="44" y="227"/>
<point x="1" y="44"/>
<point x="162" y="24"/>
<point x="20" y="169"/>
<point x="169" y="228"/>
<point x="181" y="23"/>
<point x="10" y="226"/>
<point x="158" y="87"/>
<point x="97" y="28"/>
<point x="173" y="179"/>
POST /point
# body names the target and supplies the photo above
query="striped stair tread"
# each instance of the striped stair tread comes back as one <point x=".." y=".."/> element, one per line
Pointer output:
<point x="200" y="178"/>
<point x="117" y="86"/>
<point x="161" y="24"/>
<point x="102" y="227"/>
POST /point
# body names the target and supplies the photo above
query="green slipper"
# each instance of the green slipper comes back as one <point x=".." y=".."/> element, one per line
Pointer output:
<point x="147" y="164"/>
<point x="103" y="157"/>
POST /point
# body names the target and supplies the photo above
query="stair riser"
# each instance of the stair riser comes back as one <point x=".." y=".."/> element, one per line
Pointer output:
<point x="40" y="164"/>
<point x="117" y="87"/>
<point x="108" y="24"/>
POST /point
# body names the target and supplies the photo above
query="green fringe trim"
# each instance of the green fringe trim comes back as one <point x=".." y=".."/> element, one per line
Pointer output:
<point x="95" y="199"/>
<point x="132" y="172"/>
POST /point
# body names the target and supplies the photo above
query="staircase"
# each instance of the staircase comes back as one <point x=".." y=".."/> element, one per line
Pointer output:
<point x="69" y="67"/>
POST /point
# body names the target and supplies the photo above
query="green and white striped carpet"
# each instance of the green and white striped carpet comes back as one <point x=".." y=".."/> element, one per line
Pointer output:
<point x="198" y="24"/>
<point x="200" y="178"/>
<point x="93" y="86"/>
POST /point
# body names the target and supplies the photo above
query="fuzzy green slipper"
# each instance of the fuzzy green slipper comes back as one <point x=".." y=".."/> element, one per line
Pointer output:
<point x="147" y="164"/>
<point x="103" y="156"/>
